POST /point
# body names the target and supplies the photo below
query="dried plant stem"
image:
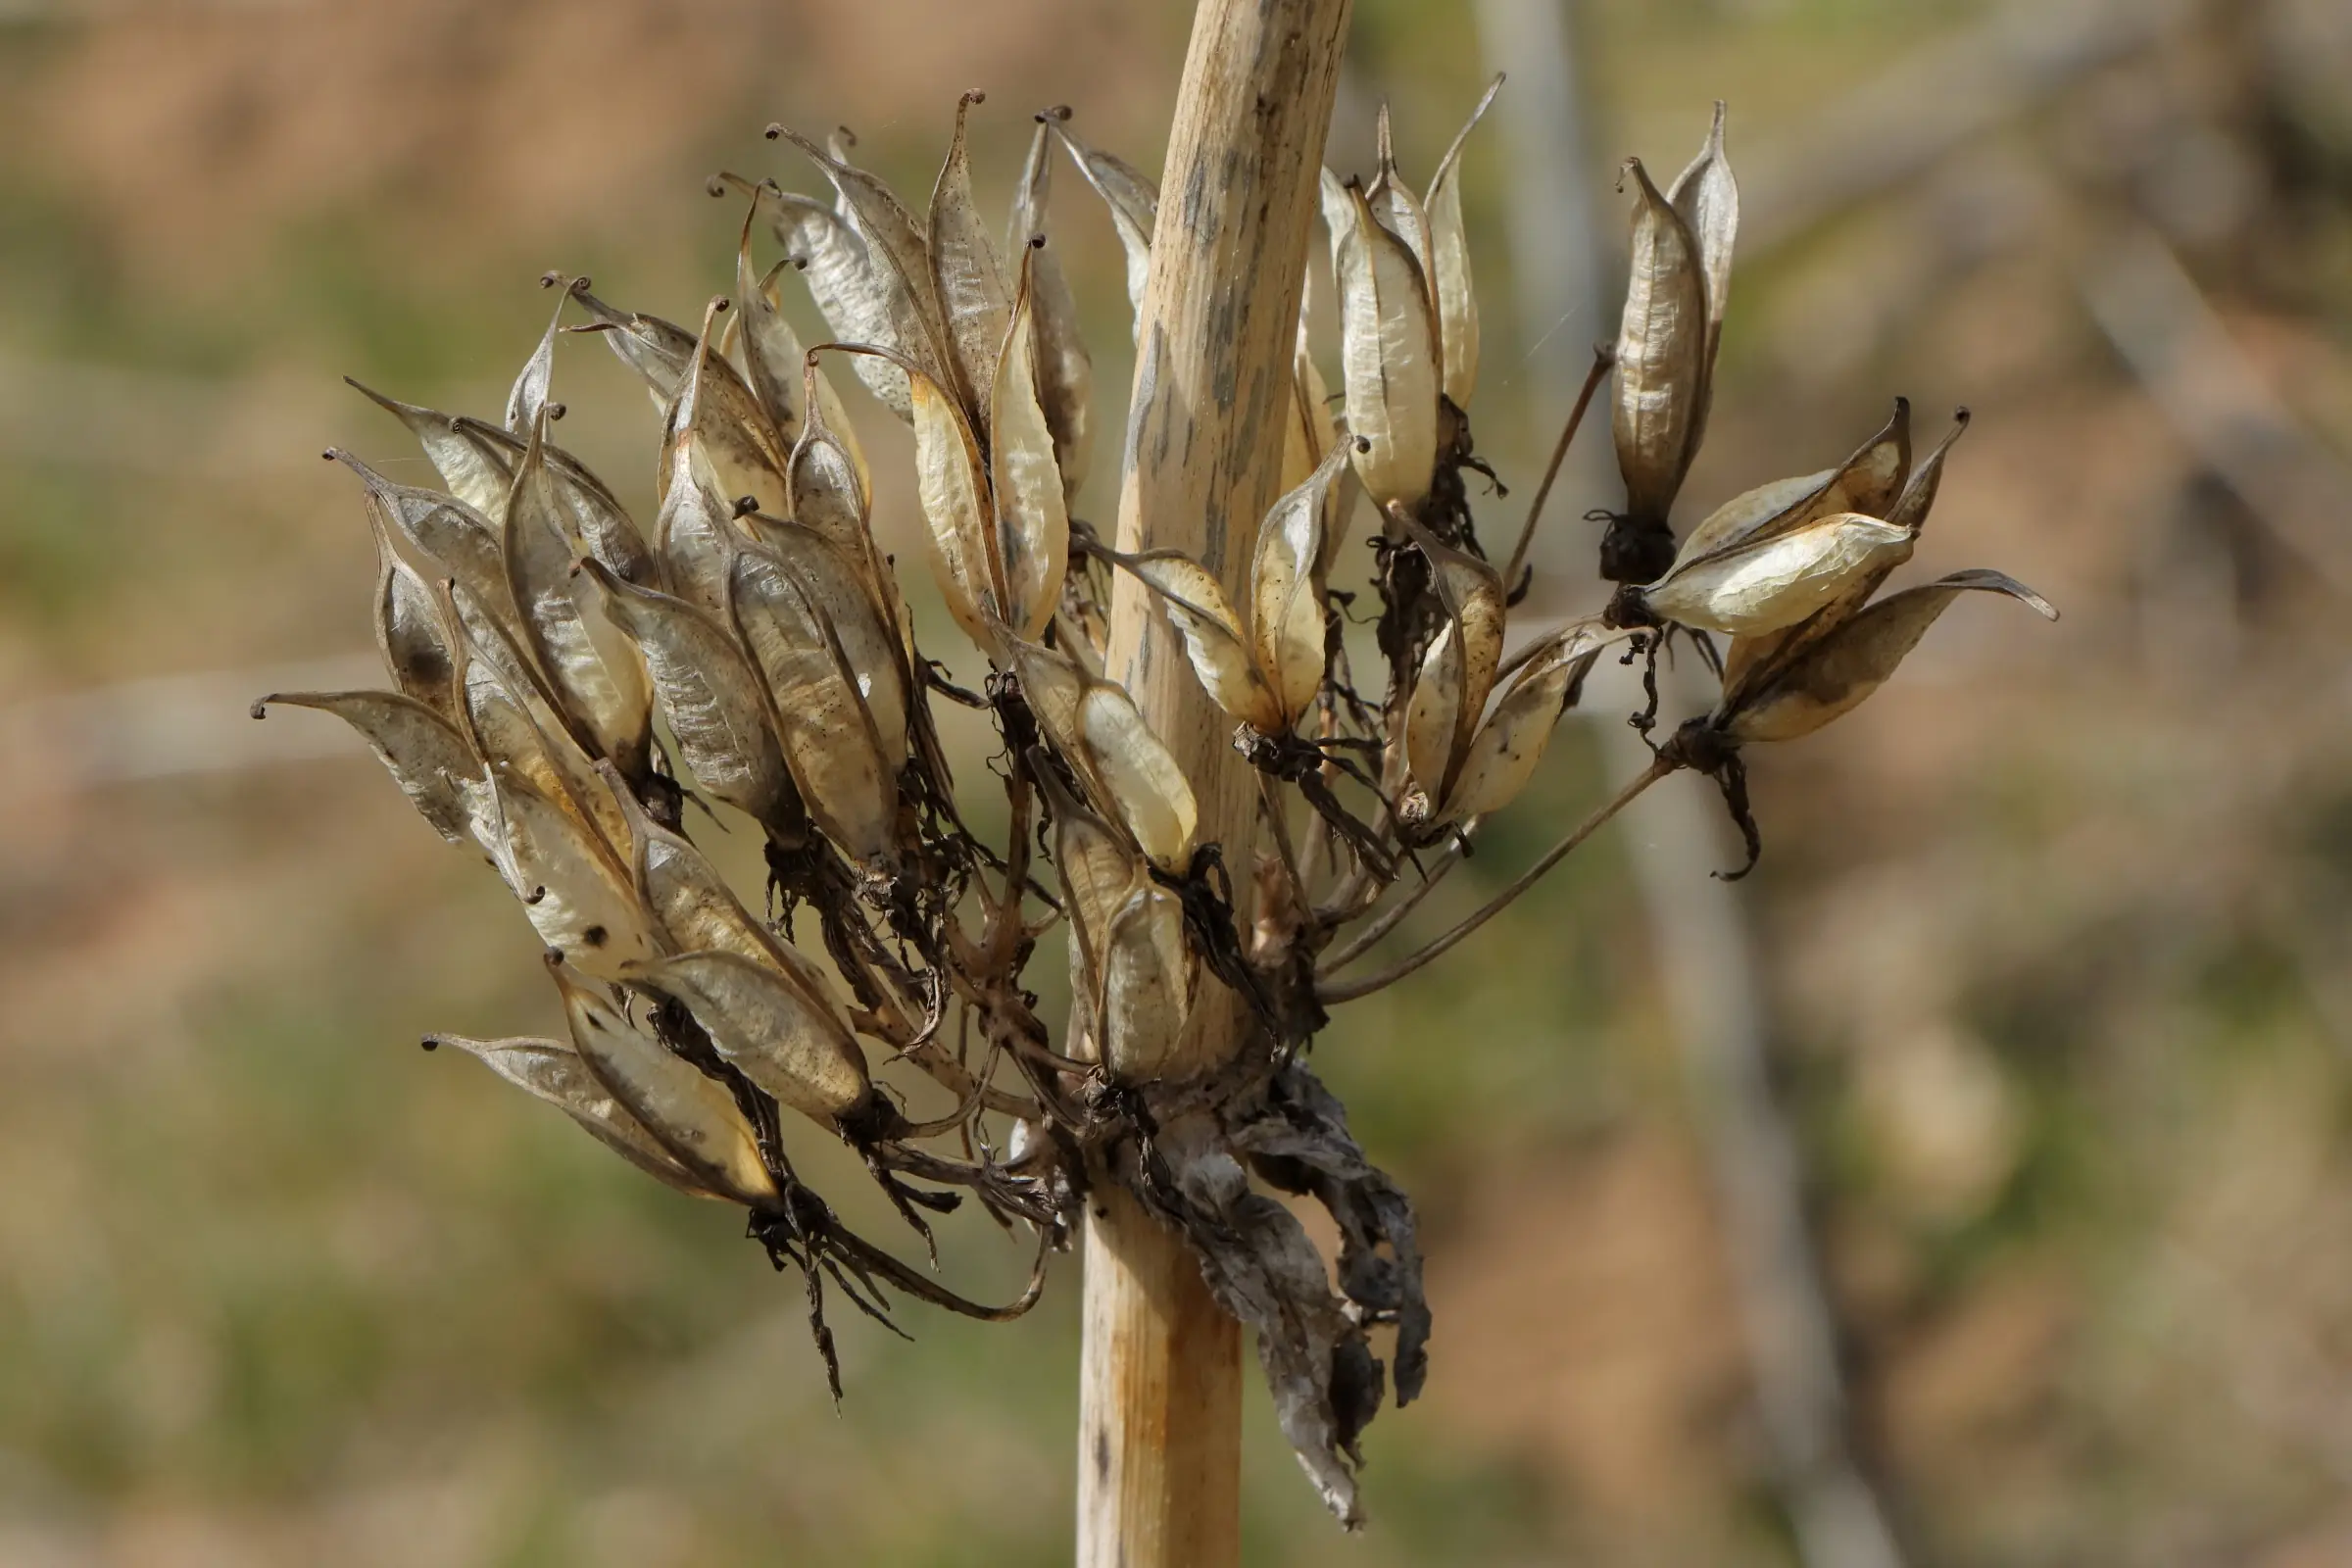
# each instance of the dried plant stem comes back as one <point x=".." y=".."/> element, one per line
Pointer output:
<point x="1159" y="1384"/>
<point x="1363" y="941"/>
<point x="1604" y="356"/>
<point x="1349" y="991"/>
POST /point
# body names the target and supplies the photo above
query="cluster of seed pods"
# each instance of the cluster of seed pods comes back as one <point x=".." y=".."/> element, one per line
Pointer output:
<point x="566" y="682"/>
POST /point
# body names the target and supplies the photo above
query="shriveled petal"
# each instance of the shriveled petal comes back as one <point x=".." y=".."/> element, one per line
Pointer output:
<point x="760" y="1023"/>
<point x="1856" y="659"/>
<point x="692" y="1117"/>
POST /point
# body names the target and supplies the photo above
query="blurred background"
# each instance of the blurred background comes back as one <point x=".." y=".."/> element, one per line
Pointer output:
<point x="1972" y="1186"/>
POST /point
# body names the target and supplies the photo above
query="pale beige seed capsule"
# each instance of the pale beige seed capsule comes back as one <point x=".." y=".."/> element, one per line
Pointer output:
<point x="1134" y="203"/>
<point x="1031" y="501"/>
<point x="1706" y="197"/>
<point x="860" y="301"/>
<point x="1213" y="639"/>
<point x="446" y="537"/>
<point x="1763" y="585"/>
<point x="1661" y="352"/>
<point x="426" y="755"/>
<point x="660" y="352"/>
<point x="1146" y="985"/>
<point x="692" y="1117"/>
<point x="1502" y="756"/>
<point x="974" y="305"/>
<point x="1098" y="873"/>
<point x="1287" y="611"/>
<point x="575" y="894"/>
<point x="1065" y="371"/>
<point x="953" y="486"/>
<point x="1433" y="716"/>
<point x="773" y="362"/>
<point x="511" y="720"/>
<point x="1146" y="787"/>
<point x="1449" y="263"/>
<point x="555" y="1072"/>
<point x="410" y="631"/>
<point x="712" y="698"/>
<point x="762" y="1025"/>
<point x="1395" y="208"/>
<point x="871" y="649"/>
<point x="829" y="738"/>
<point x="1846" y="666"/>
<point x="475" y="465"/>
<point x="897" y="250"/>
<point x="1388" y="352"/>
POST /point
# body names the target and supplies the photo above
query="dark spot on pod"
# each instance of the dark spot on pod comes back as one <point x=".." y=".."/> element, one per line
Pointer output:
<point x="595" y="936"/>
<point x="430" y="1043"/>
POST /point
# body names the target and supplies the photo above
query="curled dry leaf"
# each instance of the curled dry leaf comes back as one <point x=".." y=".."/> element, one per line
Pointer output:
<point x="711" y="699"/>
<point x="761" y="1023"/>
<point x="692" y="1116"/>
<point x="1030" y="500"/>
<point x="553" y="1072"/>
<point x="426" y="755"/>
<point x="1387" y="351"/>
<point x="1065" y="373"/>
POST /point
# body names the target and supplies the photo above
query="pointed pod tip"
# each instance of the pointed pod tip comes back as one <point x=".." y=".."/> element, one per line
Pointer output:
<point x="1057" y="114"/>
<point x="971" y="96"/>
<point x="1961" y="415"/>
<point x="261" y="706"/>
<point x="430" y="1043"/>
<point x="773" y="133"/>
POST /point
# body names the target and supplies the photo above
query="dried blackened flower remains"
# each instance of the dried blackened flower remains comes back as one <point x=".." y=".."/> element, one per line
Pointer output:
<point x="563" y="681"/>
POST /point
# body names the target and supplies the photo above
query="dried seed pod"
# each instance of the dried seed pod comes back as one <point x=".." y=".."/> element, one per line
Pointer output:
<point x="476" y="466"/>
<point x="1287" y="612"/>
<point x="409" y="629"/>
<point x="1433" y="717"/>
<point x="830" y="741"/>
<point x="599" y="682"/>
<point x="1387" y="351"/>
<point x="1763" y="584"/>
<point x="974" y="305"/>
<point x="735" y="449"/>
<point x="449" y="536"/>
<point x="426" y="755"/>
<point x="1147" y="788"/>
<point x="694" y="538"/>
<point x="1449" y="263"/>
<point x="712" y="700"/>
<point x="761" y="1024"/>
<point x="870" y="647"/>
<point x="1213" y="639"/>
<point x="1395" y="208"/>
<point x="660" y="352"/>
<point x="528" y="396"/>
<point x="1146" y="985"/>
<point x="1134" y="203"/>
<point x="553" y="1072"/>
<point x="953" y="488"/>
<point x="1661" y="354"/>
<point x="1097" y="872"/>
<point x="575" y="892"/>
<point x="859" y="298"/>
<point x="1065" y="373"/>
<point x="773" y="362"/>
<point x="1706" y="197"/>
<point x="692" y="1117"/>
<point x="1502" y="756"/>
<point x="898" y="252"/>
<point x="1031" y="502"/>
<point x="1855" y="658"/>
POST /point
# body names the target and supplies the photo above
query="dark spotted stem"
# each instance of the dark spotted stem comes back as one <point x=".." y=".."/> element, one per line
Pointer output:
<point x="1350" y="990"/>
